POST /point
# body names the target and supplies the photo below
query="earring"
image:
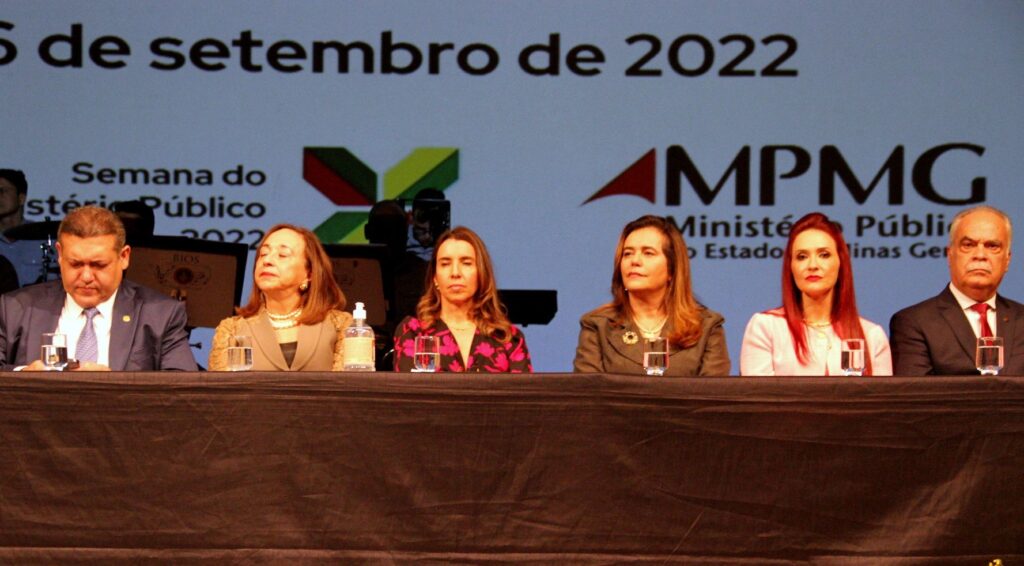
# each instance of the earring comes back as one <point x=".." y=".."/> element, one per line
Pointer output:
<point x="304" y="287"/>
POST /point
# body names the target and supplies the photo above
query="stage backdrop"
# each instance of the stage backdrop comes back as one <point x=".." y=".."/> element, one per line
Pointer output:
<point x="549" y="125"/>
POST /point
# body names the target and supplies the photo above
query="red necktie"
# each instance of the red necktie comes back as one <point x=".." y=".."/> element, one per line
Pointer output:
<point x="982" y="310"/>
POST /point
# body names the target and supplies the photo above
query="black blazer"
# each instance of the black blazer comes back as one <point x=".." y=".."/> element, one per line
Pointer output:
<point x="934" y="337"/>
<point x="147" y="331"/>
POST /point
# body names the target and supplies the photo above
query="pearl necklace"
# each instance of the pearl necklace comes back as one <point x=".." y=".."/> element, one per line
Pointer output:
<point x="283" y="321"/>
<point x="650" y="332"/>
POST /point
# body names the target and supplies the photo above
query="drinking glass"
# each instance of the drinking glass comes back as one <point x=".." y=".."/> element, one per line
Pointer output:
<point x="655" y="356"/>
<point x="239" y="353"/>
<point x="54" y="352"/>
<point x="852" y="356"/>
<point x="988" y="357"/>
<point x="425" y="356"/>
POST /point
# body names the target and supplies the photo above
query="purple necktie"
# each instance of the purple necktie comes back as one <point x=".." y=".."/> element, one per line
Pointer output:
<point x="88" y="349"/>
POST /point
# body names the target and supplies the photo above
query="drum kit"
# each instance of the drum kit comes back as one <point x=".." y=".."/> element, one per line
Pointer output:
<point x="46" y="233"/>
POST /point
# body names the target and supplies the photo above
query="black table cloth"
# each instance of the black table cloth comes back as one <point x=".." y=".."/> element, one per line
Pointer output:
<point x="549" y="468"/>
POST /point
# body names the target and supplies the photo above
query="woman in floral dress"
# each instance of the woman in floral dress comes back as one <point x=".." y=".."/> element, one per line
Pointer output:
<point x="461" y="308"/>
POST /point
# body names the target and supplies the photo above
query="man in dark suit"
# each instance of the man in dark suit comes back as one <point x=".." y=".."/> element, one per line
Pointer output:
<point x="110" y="323"/>
<point x="938" y="336"/>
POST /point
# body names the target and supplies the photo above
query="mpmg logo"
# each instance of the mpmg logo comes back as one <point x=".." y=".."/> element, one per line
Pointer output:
<point x="832" y="170"/>
<point x="341" y="177"/>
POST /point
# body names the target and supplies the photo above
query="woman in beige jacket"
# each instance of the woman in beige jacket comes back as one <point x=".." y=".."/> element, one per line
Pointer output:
<point x="294" y="316"/>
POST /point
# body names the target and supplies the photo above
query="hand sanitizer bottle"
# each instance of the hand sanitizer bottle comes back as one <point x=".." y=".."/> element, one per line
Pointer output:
<point x="358" y="343"/>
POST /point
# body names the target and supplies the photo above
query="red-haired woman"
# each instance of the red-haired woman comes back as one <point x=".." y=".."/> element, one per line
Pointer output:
<point x="652" y="297"/>
<point x="819" y="309"/>
<point x="461" y="307"/>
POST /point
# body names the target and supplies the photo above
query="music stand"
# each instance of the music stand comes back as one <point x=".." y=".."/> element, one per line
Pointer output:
<point x="531" y="306"/>
<point x="206" y="274"/>
<point x="363" y="271"/>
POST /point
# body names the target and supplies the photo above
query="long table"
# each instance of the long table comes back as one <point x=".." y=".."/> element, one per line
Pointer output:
<point x="220" y="468"/>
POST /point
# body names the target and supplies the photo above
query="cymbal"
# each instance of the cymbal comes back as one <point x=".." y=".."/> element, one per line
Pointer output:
<point x="34" y="230"/>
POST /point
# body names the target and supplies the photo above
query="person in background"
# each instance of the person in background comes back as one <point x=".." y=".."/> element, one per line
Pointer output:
<point x="430" y="217"/>
<point x="388" y="225"/>
<point x="24" y="255"/>
<point x="138" y="219"/>
<point x="111" y="323"/>
<point x="819" y="308"/>
<point x="460" y="306"/>
<point x="652" y="296"/>
<point x="295" y="314"/>
<point x="938" y="336"/>
<point x="404" y="273"/>
<point x="13" y="192"/>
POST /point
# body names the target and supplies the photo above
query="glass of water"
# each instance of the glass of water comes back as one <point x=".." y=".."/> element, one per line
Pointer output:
<point x="240" y="353"/>
<point x="988" y="357"/>
<point x="425" y="355"/>
<point x="852" y="356"/>
<point x="655" y="356"/>
<point x="54" y="352"/>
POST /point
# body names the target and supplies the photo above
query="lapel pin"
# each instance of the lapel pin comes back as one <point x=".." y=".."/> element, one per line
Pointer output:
<point x="126" y="318"/>
<point x="630" y="337"/>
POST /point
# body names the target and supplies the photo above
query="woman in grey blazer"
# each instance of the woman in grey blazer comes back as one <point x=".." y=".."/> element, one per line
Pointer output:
<point x="652" y="297"/>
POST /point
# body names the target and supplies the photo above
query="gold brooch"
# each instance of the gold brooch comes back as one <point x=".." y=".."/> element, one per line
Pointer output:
<point x="630" y="337"/>
<point x="126" y="318"/>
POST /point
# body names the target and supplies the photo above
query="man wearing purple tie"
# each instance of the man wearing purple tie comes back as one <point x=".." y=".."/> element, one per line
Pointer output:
<point x="110" y="323"/>
<point x="938" y="336"/>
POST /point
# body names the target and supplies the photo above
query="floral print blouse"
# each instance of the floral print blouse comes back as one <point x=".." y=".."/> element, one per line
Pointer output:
<point x="487" y="354"/>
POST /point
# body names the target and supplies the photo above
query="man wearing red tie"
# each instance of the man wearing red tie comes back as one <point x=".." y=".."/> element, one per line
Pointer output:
<point x="938" y="336"/>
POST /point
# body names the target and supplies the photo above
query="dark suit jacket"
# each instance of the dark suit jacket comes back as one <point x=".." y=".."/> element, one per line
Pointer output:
<point x="934" y="337"/>
<point x="147" y="331"/>
<point x="602" y="348"/>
